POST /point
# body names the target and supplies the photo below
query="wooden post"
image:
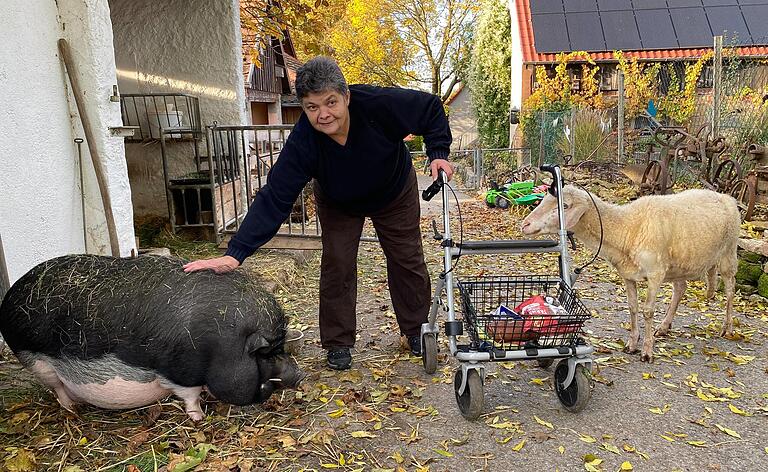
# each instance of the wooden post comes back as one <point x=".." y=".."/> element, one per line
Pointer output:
<point x="620" y="119"/>
<point x="5" y="281"/>
<point x="573" y="135"/>
<point x="98" y="167"/>
<point x="717" y="65"/>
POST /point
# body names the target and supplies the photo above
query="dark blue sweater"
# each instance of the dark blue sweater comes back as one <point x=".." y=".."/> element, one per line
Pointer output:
<point x="361" y="177"/>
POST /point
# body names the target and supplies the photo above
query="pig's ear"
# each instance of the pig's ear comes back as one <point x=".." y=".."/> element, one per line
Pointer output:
<point x="257" y="344"/>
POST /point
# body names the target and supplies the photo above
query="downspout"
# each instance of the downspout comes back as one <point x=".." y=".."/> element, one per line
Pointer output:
<point x="98" y="165"/>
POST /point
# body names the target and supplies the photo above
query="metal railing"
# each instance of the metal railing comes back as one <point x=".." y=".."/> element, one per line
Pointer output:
<point x="245" y="155"/>
<point x="154" y="112"/>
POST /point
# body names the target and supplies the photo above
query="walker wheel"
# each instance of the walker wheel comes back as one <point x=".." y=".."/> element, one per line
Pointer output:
<point x="574" y="397"/>
<point x="429" y="353"/>
<point x="545" y="363"/>
<point x="502" y="203"/>
<point x="471" y="401"/>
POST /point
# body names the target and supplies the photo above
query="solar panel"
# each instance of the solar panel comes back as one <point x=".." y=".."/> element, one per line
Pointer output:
<point x="727" y="21"/>
<point x="580" y="5"/>
<point x="620" y="30"/>
<point x="605" y="25"/>
<point x="546" y="6"/>
<point x="585" y="32"/>
<point x="757" y="21"/>
<point x="691" y="27"/>
<point x="684" y="3"/>
<point x="656" y="31"/>
<point x="648" y="4"/>
<point x="609" y="5"/>
<point x="550" y="34"/>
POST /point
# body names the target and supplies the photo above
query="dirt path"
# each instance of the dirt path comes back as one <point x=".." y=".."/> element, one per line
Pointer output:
<point x="701" y="406"/>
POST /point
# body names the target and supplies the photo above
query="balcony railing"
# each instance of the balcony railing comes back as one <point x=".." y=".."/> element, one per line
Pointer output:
<point x="156" y="111"/>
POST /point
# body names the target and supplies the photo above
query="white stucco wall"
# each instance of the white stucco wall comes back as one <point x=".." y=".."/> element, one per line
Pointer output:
<point x="177" y="46"/>
<point x="40" y="197"/>
<point x="516" y="77"/>
<point x="517" y="58"/>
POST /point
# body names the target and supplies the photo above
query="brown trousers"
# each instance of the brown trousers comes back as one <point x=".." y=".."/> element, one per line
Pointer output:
<point x="397" y="227"/>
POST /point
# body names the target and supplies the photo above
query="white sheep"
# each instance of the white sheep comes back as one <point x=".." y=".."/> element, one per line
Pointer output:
<point x="657" y="238"/>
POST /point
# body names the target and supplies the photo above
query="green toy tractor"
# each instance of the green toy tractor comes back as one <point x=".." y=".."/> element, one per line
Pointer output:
<point x="517" y="193"/>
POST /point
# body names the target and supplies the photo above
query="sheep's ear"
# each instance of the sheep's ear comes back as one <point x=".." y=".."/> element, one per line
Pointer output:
<point x="573" y="214"/>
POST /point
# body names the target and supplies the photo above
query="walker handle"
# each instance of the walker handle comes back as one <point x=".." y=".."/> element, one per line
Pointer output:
<point x="433" y="189"/>
<point x="553" y="169"/>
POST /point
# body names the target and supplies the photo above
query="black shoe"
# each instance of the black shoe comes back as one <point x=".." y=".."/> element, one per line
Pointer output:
<point x="415" y="344"/>
<point x="339" y="358"/>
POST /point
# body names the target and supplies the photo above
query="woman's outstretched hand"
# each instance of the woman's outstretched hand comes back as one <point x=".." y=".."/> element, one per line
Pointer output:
<point x="220" y="265"/>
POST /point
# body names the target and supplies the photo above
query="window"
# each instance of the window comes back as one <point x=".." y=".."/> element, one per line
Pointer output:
<point x="609" y="77"/>
<point x="706" y="78"/>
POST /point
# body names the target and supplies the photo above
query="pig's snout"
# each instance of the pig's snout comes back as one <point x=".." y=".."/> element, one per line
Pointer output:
<point x="290" y="378"/>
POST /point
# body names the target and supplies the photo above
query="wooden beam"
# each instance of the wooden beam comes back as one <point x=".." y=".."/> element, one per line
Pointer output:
<point x="308" y="242"/>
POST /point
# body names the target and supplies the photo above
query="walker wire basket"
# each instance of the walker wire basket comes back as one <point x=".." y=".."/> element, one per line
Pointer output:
<point x="482" y="296"/>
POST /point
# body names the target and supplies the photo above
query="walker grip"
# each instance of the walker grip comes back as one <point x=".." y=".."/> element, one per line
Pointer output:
<point x="432" y="190"/>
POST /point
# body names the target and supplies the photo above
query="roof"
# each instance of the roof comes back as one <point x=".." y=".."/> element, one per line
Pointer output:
<point x="643" y="32"/>
<point x="455" y="93"/>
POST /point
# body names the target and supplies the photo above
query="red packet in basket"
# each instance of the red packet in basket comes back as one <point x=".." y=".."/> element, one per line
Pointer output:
<point x="537" y="313"/>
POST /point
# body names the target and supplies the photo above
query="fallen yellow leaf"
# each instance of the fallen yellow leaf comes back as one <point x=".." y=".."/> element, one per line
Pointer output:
<point x="626" y="465"/>
<point x="727" y="431"/>
<point x="543" y="423"/>
<point x="738" y="411"/>
<point x="362" y="434"/>
<point x="611" y="448"/>
<point x="518" y="446"/>
<point x="336" y="413"/>
<point x="697" y="443"/>
<point x="587" y="438"/>
<point x="562" y="449"/>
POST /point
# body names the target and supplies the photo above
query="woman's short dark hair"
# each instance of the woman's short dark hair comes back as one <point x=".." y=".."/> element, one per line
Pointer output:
<point x="320" y="74"/>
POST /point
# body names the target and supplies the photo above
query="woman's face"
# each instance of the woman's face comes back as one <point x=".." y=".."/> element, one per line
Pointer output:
<point x="328" y="112"/>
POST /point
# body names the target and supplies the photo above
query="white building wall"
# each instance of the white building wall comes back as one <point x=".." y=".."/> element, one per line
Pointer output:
<point x="177" y="46"/>
<point x="516" y="68"/>
<point x="463" y="120"/>
<point x="40" y="196"/>
<point x="517" y="58"/>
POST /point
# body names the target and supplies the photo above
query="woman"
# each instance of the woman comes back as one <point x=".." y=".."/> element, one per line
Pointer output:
<point x="350" y="140"/>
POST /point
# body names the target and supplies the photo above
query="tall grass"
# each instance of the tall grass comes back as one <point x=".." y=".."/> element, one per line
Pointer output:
<point x="590" y="130"/>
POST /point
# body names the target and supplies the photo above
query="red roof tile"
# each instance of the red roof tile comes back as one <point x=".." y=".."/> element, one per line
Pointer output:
<point x="530" y="55"/>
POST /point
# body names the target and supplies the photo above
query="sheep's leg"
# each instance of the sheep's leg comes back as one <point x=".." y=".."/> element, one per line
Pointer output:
<point x="634" y="333"/>
<point x="648" y="309"/>
<point x="678" y="290"/>
<point x="711" y="282"/>
<point x="730" y="284"/>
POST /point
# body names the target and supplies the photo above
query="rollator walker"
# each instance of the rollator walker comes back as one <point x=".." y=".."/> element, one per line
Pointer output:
<point x="495" y="332"/>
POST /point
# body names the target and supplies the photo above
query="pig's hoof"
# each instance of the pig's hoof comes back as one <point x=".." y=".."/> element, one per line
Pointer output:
<point x="662" y="331"/>
<point x="727" y="333"/>
<point x="196" y="415"/>
<point x="645" y="357"/>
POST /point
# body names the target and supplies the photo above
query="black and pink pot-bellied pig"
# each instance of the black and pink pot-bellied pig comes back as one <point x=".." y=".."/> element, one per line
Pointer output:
<point x="124" y="333"/>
